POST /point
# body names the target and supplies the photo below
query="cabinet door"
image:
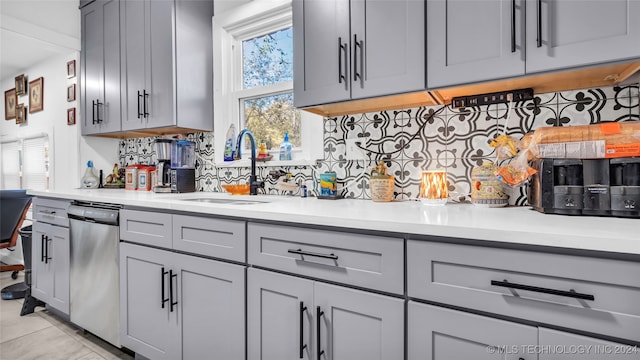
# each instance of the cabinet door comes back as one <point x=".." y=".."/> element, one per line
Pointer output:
<point x="58" y="254"/>
<point x="100" y="74"/>
<point x="387" y="47"/>
<point x="358" y="324"/>
<point x="581" y="32"/>
<point x="565" y="346"/>
<point x="133" y="16"/>
<point x="211" y="300"/>
<point x="280" y="313"/>
<point x="471" y="41"/>
<point x="436" y="333"/>
<point x="92" y="69"/>
<point x="149" y="324"/>
<point x="41" y="269"/>
<point x="160" y="71"/>
<point x="109" y="113"/>
<point x="321" y="49"/>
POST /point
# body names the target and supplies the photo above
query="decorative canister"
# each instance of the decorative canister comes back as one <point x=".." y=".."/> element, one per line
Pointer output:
<point x="381" y="183"/>
<point x="131" y="177"/>
<point x="381" y="188"/>
<point x="486" y="189"/>
<point x="328" y="188"/>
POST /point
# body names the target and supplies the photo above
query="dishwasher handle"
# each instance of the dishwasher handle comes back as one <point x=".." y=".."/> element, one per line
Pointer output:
<point x="98" y="215"/>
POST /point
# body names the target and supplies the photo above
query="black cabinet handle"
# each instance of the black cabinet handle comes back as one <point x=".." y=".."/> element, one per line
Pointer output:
<point x="93" y="112"/>
<point x="171" y="302"/>
<point x="302" y="344"/>
<point x="539" y="40"/>
<point x="341" y="48"/>
<point x="98" y="103"/>
<point x="319" y="351"/>
<point x="139" y="96"/>
<point x="570" y="293"/>
<point x="144" y="107"/>
<point x="356" y="45"/>
<point x="46" y="248"/>
<point x="513" y="26"/>
<point x="309" y="253"/>
<point x="42" y="255"/>
<point x="162" y="274"/>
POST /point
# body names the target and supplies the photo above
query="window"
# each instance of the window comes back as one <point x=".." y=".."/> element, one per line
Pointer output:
<point x="25" y="163"/>
<point x="253" y="75"/>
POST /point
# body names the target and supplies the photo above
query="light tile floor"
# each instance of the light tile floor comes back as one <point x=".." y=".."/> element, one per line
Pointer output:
<point x="42" y="335"/>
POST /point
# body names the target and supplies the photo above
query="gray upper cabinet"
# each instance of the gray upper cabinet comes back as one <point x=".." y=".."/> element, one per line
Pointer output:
<point x="472" y="41"/>
<point x="357" y="49"/>
<point x="167" y="54"/>
<point x="321" y="51"/>
<point x="100" y="108"/>
<point x="578" y="33"/>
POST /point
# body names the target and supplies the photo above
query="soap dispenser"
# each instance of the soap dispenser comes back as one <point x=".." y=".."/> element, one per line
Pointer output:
<point x="285" y="148"/>
<point x="89" y="180"/>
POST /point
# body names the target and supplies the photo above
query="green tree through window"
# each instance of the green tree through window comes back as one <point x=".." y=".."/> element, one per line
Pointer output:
<point x="268" y="60"/>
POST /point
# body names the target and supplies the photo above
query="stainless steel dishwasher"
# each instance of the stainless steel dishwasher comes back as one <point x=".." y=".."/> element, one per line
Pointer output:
<point x="94" y="269"/>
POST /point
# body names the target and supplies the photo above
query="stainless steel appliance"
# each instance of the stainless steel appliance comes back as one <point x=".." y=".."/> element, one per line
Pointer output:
<point x="94" y="269"/>
<point x="163" y="168"/>
<point x="603" y="187"/>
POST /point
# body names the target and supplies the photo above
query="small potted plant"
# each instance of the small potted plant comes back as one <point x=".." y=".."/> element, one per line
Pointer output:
<point x="381" y="183"/>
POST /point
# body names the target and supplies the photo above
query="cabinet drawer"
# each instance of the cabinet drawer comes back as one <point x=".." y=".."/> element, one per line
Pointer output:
<point x="211" y="237"/>
<point x="145" y="227"/>
<point x="51" y="211"/>
<point x="374" y="262"/>
<point x="589" y="294"/>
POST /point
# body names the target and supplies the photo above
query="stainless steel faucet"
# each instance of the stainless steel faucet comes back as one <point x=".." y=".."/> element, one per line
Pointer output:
<point x="254" y="183"/>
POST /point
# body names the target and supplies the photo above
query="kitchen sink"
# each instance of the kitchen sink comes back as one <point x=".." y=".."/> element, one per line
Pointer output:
<point x="227" y="201"/>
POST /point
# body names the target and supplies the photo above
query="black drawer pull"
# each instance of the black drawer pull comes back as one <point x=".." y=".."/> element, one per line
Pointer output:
<point x="571" y="293"/>
<point x="309" y="253"/>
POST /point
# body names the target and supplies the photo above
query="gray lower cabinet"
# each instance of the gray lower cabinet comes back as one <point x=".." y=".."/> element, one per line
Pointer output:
<point x="570" y="33"/>
<point x="100" y="109"/>
<point x="436" y="333"/>
<point x="285" y="313"/>
<point x="472" y="41"/>
<point x="166" y="78"/>
<point x="50" y="265"/>
<point x="357" y="49"/>
<point x="560" y="345"/>
<point x="176" y="306"/>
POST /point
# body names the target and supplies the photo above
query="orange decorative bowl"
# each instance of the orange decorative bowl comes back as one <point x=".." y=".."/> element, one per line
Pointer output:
<point x="236" y="189"/>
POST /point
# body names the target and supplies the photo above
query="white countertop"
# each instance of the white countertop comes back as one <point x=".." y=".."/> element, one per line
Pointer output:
<point x="518" y="225"/>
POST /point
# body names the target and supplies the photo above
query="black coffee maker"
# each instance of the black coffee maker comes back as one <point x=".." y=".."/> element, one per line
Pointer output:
<point x="602" y="187"/>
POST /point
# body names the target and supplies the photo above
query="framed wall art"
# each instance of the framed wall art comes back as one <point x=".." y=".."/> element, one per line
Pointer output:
<point x="36" y="95"/>
<point x="71" y="93"/>
<point x="71" y="69"/>
<point x="21" y="114"/>
<point x="10" y="100"/>
<point x="71" y="116"/>
<point x="21" y="85"/>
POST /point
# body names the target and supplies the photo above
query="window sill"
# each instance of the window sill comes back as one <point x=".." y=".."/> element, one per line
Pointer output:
<point x="272" y="163"/>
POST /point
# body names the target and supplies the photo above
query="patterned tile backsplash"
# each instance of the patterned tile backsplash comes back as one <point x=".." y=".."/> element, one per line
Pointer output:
<point x="416" y="139"/>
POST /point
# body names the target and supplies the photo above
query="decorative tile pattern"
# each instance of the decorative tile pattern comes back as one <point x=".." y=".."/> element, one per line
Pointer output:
<point x="416" y="139"/>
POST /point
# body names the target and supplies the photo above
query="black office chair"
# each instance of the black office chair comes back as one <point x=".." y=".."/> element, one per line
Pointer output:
<point x="14" y="205"/>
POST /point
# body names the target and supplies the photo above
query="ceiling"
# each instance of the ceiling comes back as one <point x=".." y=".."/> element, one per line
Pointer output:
<point x="32" y="31"/>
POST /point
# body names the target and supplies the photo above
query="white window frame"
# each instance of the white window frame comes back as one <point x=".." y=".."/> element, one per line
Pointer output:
<point x="47" y="161"/>
<point x="229" y="28"/>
